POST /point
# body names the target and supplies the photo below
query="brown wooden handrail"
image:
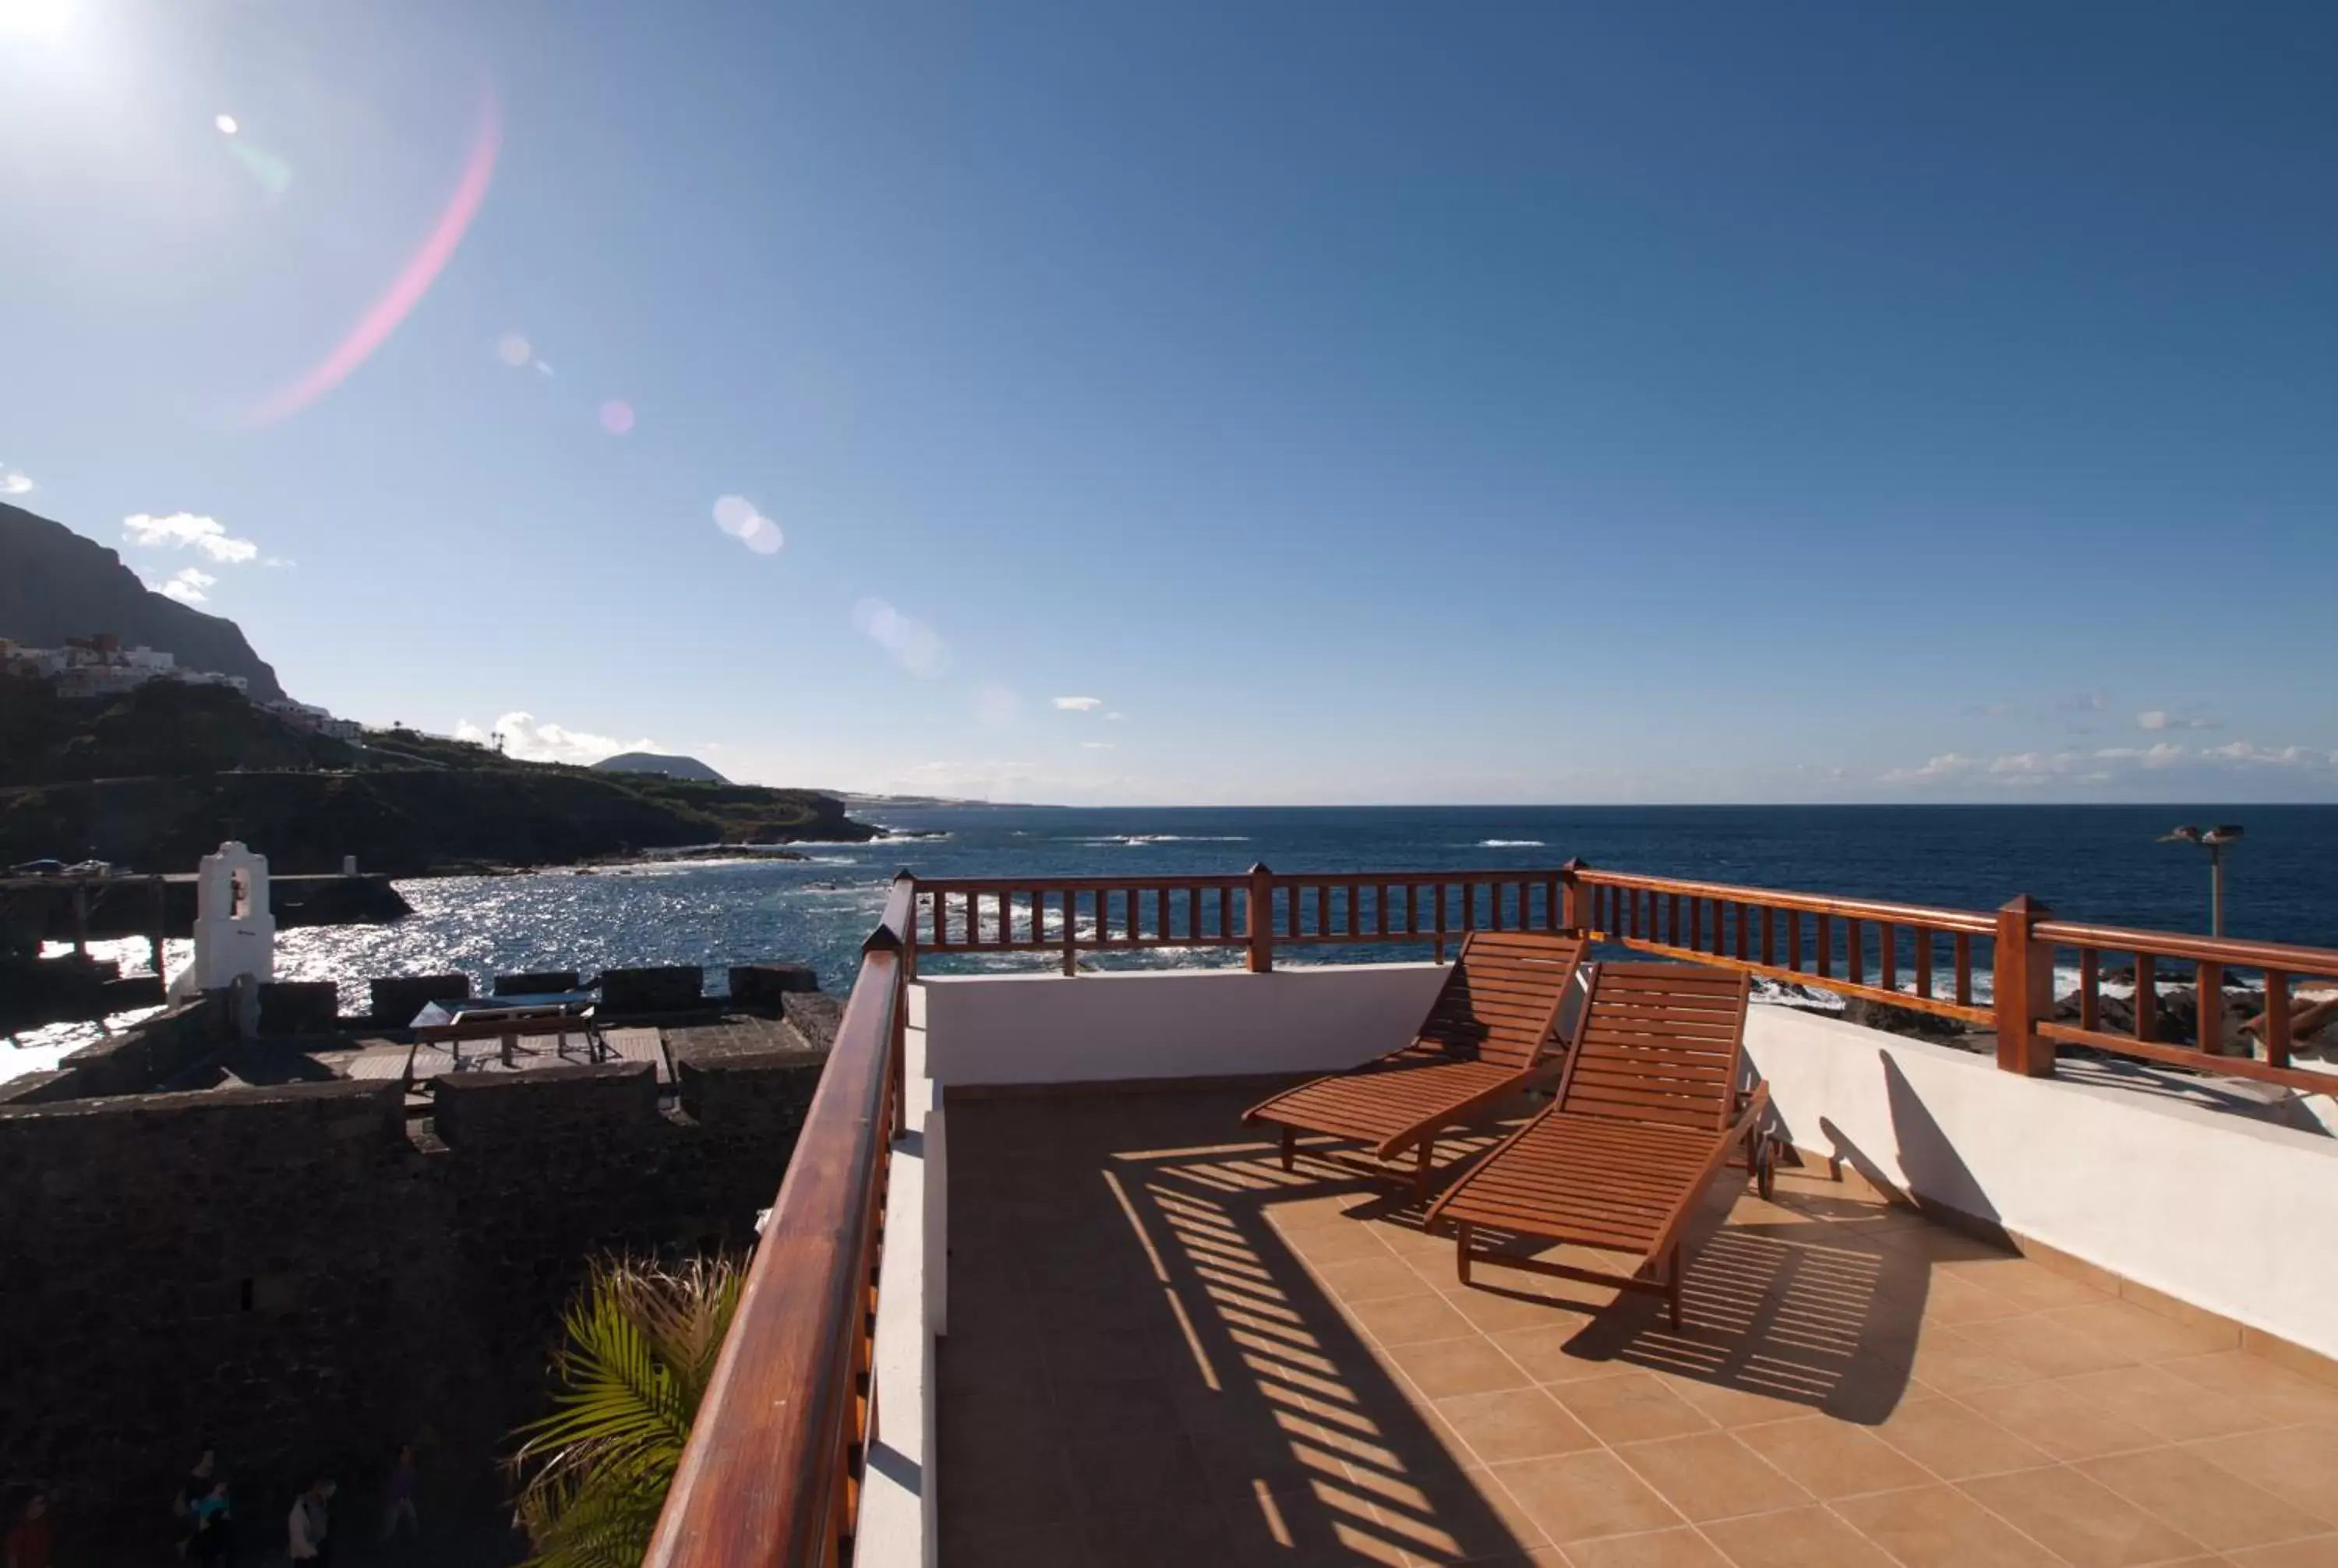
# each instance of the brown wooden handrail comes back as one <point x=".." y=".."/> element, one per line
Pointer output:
<point x="1970" y="922"/>
<point x="771" y="1472"/>
<point x="2228" y="951"/>
<point x="1759" y="930"/>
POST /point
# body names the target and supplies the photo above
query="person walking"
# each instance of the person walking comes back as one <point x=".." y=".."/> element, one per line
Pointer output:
<point x="192" y="1491"/>
<point x="31" y="1539"/>
<point x="305" y="1527"/>
<point x="398" y="1499"/>
<point x="213" y="1542"/>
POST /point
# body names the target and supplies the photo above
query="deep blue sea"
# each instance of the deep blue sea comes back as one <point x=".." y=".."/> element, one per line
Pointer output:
<point x="2094" y="862"/>
<point x="2088" y="862"/>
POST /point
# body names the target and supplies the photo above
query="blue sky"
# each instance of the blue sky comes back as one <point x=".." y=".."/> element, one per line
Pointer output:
<point x="1359" y="402"/>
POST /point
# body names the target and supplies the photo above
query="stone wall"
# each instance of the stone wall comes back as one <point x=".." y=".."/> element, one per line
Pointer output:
<point x="301" y="1275"/>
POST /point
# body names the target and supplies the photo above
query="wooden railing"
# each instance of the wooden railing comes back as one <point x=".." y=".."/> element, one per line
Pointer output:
<point x="1071" y="915"/>
<point x="772" y="1477"/>
<point x="772" y="1474"/>
<point x="2163" y="954"/>
<point x="1837" y="944"/>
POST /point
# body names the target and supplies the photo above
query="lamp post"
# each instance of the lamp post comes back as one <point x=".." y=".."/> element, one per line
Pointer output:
<point x="2213" y="840"/>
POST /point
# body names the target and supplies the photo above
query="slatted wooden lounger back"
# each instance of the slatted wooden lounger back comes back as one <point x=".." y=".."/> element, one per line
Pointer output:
<point x="1648" y="1110"/>
<point x="1485" y="1038"/>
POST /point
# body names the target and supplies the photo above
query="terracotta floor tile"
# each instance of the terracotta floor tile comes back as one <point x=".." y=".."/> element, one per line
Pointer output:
<point x="1795" y="1538"/>
<point x="1470" y="1518"/>
<point x="2060" y="1420"/>
<point x="1275" y="1404"/>
<point x="1143" y="1537"/>
<point x="1441" y="1367"/>
<point x="1734" y="1407"/>
<point x="2292" y="1463"/>
<point x="1956" y="1360"/>
<point x="1034" y="1546"/>
<point x="1301" y="1520"/>
<point x="1360" y="1280"/>
<point x="2078" y="1518"/>
<point x="2322" y="1551"/>
<point x="2137" y="1332"/>
<point x="1832" y="1458"/>
<point x="2033" y="1285"/>
<point x="1559" y="1354"/>
<point x="1630" y="1407"/>
<point x="1335" y="1243"/>
<point x="2056" y="1345"/>
<point x="1954" y="1443"/>
<point x="1712" y="1475"/>
<point x="1952" y="1299"/>
<point x="1507" y="1311"/>
<point x="1659" y="1549"/>
<point x="1940" y="1527"/>
<point x="1576" y="1496"/>
<point x="1514" y="1424"/>
<point x="1410" y="1319"/>
<point x="1410" y="1242"/>
<point x="2215" y="1508"/>
<point x="1312" y="1213"/>
<point x="2273" y="1392"/>
<point x="2174" y="1407"/>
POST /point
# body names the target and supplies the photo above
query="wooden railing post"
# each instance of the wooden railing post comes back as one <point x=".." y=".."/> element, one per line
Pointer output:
<point x="1571" y="915"/>
<point x="2022" y="981"/>
<point x="1259" y="918"/>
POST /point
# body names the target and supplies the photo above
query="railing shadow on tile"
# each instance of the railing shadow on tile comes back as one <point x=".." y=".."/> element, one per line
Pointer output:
<point x="1185" y="1388"/>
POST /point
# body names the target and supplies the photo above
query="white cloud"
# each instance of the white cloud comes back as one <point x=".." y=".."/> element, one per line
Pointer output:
<point x="2160" y="718"/>
<point x="1946" y="765"/>
<point x="534" y="739"/>
<point x="14" y="484"/>
<point x="1095" y="745"/>
<point x="187" y="584"/>
<point x="914" y="645"/>
<point x="2027" y="768"/>
<point x="736" y="515"/>
<point x="1116" y="717"/>
<point x="284" y="563"/>
<point x="1079" y="704"/>
<point x="2248" y="752"/>
<point x="182" y="529"/>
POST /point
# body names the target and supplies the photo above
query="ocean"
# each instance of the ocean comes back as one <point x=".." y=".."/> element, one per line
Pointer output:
<point x="2088" y="862"/>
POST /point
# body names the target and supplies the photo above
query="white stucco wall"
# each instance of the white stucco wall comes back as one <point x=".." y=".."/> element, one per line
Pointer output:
<point x="1005" y="1029"/>
<point x="2231" y="1214"/>
<point x="899" y="1523"/>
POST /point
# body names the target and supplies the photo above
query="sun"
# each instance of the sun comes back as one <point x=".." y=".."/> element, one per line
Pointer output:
<point x="35" y="18"/>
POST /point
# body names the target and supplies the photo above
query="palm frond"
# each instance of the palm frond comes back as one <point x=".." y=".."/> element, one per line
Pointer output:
<point x="639" y="1344"/>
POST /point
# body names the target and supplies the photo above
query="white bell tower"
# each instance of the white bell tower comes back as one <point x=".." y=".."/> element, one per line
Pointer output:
<point x="235" y="934"/>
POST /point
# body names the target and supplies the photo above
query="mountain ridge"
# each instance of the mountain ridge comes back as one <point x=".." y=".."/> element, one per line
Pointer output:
<point x="55" y="584"/>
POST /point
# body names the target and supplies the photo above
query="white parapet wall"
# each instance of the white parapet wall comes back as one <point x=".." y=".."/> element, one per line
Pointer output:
<point x="2231" y="1214"/>
<point x="998" y="1030"/>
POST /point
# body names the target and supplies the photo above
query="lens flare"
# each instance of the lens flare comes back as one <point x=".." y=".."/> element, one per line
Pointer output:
<point x="226" y="123"/>
<point x="382" y="318"/>
<point x="514" y="350"/>
<point x="616" y="416"/>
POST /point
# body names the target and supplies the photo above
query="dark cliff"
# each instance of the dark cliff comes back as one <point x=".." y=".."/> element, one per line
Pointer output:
<point x="55" y="584"/>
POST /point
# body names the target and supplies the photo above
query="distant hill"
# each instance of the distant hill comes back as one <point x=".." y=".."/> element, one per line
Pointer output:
<point x="155" y="778"/>
<point x="652" y="763"/>
<point x="55" y="584"/>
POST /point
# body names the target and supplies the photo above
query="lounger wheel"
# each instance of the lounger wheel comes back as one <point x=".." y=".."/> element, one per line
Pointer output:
<point x="1765" y="1166"/>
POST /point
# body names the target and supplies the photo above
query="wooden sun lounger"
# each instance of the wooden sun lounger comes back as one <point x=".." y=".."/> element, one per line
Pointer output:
<point x="1648" y="1110"/>
<point x="1483" y="1041"/>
